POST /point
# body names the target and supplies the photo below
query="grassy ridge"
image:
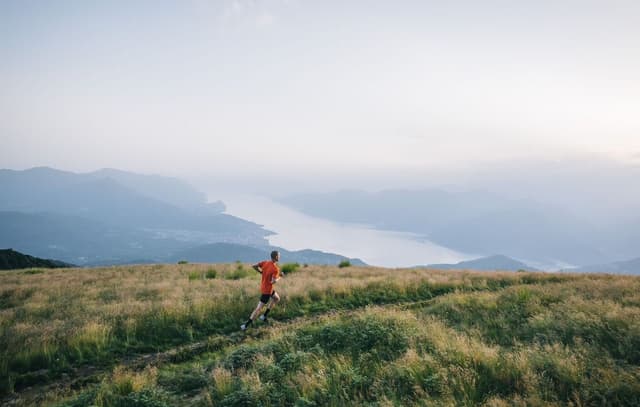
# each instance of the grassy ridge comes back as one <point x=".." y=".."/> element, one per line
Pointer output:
<point x="484" y="337"/>
<point x="56" y="320"/>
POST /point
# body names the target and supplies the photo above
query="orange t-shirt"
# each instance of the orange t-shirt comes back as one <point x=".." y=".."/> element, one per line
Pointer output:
<point x="269" y="270"/>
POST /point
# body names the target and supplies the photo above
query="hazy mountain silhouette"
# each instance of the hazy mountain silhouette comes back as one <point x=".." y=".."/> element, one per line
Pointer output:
<point x="619" y="267"/>
<point x="490" y="263"/>
<point x="115" y="217"/>
<point x="107" y="200"/>
<point x="83" y="218"/>
<point x="12" y="260"/>
<point x="477" y="221"/>
<point x="24" y="189"/>
<point x="79" y="240"/>
<point x="227" y="252"/>
<point x="166" y="189"/>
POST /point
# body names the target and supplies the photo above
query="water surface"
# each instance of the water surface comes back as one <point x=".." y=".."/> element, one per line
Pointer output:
<point x="295" y="231"/>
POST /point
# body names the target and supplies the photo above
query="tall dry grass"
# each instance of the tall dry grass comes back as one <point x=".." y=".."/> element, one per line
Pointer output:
<point x="515" y="338"/>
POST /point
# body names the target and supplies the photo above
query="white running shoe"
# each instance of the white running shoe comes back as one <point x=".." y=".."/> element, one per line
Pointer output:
<point x="243" y="327"/>
<point x="262" y="318"/>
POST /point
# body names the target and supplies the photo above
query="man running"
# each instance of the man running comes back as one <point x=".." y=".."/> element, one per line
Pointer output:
<point x="270" y="275"/>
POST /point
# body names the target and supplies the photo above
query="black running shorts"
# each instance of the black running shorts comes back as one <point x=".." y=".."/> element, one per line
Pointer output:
<point x="264" y="298"/>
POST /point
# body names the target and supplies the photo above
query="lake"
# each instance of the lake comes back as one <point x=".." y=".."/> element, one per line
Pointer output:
<point x="295" y="231"/>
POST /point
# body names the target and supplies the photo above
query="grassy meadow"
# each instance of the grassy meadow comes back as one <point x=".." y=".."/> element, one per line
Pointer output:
<point x="165" y="335"/>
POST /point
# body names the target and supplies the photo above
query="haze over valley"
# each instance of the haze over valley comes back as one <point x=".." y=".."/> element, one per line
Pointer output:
<point x="116" y="217"/>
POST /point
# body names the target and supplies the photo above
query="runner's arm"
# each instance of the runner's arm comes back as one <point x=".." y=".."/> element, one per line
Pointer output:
<point x="257" y="268"/>
<point x="278" y="275"/>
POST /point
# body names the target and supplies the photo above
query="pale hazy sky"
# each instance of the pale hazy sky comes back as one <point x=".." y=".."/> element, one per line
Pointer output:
<point x="310" y="87"/>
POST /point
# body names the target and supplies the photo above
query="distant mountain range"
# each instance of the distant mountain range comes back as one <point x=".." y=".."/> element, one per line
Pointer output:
<point x="44" y="188"/>
<point x="477" y="221"/>
<point x="116" y="198"/>
<point x="228" y="252"/>
<point x="115" y="217"/>
<point x="490" y="263"/>
<point x="619" y="267"/>
<point x="13" y="260"/>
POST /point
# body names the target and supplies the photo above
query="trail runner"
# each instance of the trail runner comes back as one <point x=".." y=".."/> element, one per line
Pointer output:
<point x="270" y="276"/>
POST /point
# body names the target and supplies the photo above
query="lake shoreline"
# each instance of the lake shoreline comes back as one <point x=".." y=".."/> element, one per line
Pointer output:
<point x="296" y="231"/>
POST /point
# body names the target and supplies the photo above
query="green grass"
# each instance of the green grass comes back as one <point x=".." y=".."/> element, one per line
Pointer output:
<point x="239" y="272"/>
<point x="399" y="358"/>
<point x="289" y="268"/>
<point x="362" y="336"/>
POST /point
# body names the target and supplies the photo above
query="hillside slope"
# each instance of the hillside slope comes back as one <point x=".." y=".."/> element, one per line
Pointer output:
<point x="619" y="267"/>
<point x="490" y="263"/>
<point x="229" y="252"/>
<point x="167" y="335"/>
<point x="111" y="216"/>
<point x="13" y="260"/>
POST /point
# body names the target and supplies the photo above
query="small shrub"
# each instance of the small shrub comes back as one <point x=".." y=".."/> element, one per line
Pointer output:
<point x="241" y="358"/>
<point x="344" y="263"/>
<point x="238" y="273"/>
<point x="195" y="275"/>
<point x="211" y="274"/>
<point x="183" y="262"/>
<point x="290" y="268"/>
<point x="33" y="271"/>
<point x="270" y="373"/>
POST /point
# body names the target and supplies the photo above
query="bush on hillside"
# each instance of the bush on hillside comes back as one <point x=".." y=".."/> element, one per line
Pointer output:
<point x="290" y="268"/>
<point x="238" y="273"/>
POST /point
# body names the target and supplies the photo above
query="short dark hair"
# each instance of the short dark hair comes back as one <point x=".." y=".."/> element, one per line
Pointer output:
<point x="274" y="254"/>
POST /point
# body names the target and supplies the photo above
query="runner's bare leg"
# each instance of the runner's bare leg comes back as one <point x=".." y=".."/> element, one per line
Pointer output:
<point x="275" y="298"/>
<point x="255" y="312"/>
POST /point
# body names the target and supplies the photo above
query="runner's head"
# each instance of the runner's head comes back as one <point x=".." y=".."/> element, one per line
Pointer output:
<point x="275" y="255"/>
